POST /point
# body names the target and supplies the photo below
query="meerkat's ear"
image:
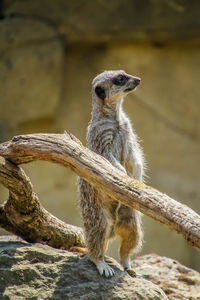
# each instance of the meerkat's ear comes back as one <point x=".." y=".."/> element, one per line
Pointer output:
<point x="100" y="92"/>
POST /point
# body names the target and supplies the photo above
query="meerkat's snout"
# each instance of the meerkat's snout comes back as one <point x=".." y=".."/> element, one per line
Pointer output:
<point x="137" y="81"/>
<point x="132" y="83"/>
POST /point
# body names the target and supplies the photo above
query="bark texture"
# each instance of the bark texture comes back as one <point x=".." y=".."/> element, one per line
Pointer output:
<point x="68" y="151"/>
<point x="23" y="215"/>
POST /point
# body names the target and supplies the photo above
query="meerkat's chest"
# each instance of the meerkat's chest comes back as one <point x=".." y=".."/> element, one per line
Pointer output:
<point x="121" y="141"/>
<point x="110" y="135"/>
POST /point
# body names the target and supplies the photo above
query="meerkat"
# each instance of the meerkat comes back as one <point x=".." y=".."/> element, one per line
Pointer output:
<point x="111" y="135"/>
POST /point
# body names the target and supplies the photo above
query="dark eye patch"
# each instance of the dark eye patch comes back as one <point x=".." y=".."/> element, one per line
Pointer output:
<point x="100" y="92"/>
<point x="120" y="80"/>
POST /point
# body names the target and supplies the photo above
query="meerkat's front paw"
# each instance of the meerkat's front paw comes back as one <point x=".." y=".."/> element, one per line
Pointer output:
<point x="105" y="269"/>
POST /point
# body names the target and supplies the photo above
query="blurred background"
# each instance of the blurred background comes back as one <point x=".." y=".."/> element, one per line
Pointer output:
<point x="49" y="53"/>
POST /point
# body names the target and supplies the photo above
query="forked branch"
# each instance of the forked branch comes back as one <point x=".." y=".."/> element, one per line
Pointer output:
<point x="23" y="214"/>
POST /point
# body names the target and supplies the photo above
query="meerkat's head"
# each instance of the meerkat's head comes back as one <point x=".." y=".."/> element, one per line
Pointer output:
<point x="111" y="86"/>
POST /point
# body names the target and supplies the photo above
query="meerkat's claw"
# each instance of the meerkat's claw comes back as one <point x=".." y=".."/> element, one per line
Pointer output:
<point x="105" y="269"/>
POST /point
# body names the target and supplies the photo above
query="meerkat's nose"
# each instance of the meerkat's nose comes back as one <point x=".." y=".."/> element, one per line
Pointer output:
<point x="137" y="81"/>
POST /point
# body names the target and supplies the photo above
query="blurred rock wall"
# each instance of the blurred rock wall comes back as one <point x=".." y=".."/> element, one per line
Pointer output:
<point x="49" y="53"/>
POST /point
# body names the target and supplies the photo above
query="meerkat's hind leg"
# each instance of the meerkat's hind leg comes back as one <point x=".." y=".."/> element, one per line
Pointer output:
<point x="103" y="268"/>
<point x="97" y="236"/>
<point x="126" y="263"/>
<point x="128" y="228"/>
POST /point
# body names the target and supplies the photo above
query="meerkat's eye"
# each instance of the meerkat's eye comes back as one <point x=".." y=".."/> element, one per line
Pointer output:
<point x="100" y="92"/>
<point x="120" y="80"/>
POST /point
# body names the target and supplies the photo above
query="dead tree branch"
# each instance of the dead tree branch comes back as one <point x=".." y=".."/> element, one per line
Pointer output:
<point x="23" y="215"/>
<point x="66" y="150"/>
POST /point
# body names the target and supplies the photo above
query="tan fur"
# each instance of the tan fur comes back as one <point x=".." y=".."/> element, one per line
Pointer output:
<point x="110" y="134"/>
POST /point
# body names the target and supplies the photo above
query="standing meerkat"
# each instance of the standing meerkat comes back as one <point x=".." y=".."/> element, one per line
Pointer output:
<point x="110" y="134"/>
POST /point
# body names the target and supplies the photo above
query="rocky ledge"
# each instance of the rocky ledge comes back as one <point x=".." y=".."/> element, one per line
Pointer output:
<point x="35" y="271"/>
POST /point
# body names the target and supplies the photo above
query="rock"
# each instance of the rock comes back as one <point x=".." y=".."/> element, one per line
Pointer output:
<point x="176" y="280"/>
<point x="34" y="271"/>
<point x="29" y="51"/>
<point x="103" y="21"/>
<point x="18" y="32"/>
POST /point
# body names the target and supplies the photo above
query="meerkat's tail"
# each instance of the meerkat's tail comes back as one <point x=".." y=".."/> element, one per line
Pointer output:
<point x="78" y="250"/>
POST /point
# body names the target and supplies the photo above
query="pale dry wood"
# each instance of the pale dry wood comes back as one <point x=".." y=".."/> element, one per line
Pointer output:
<point x="66" y="150"/>
<point x="23" y="214"/>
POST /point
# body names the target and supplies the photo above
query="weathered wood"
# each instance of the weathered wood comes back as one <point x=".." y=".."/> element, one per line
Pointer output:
<point x="23" y="214"/>
<point x="66" y="150"/>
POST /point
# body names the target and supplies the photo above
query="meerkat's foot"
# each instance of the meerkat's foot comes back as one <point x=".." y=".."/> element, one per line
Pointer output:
<point x="127" y="267"/>
<point x="131" y="272"/>
<point x="105" y="269"/>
